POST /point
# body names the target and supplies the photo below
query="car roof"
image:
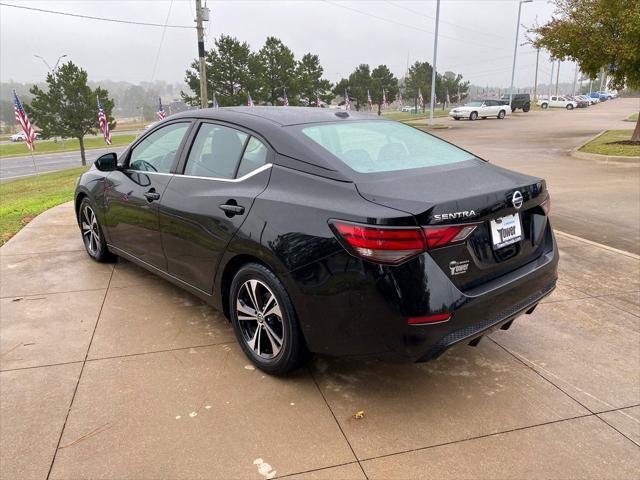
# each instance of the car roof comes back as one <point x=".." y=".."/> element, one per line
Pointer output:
<point x="283" y="116"/>
<point x="279" y="126"/>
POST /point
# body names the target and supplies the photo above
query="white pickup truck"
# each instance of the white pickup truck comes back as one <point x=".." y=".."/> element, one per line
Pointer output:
<point x="557" y="102"/>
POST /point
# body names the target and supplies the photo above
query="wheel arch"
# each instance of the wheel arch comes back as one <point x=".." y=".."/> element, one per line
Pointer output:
<point x="78" y="200"/>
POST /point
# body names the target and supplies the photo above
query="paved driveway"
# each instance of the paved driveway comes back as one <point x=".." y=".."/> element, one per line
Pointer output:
<point x="111" y="373"/>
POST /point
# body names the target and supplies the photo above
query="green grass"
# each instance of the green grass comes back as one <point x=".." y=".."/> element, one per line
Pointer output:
<point x="632" y="118"/>
<point x="70" y="145"/>
<point x="21" y="200"/>
<point x="601" y="145"/>
<point x="409" y="117"/>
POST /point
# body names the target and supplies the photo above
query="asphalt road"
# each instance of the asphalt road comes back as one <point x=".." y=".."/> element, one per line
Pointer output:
<point x="590" y="199"/>
<point x="18" y="167"/>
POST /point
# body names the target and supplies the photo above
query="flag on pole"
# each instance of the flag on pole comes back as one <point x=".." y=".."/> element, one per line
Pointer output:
<point x="400" y="102"/>
<point x="458" y="96"/>
<point x="249" y="100"/>
<point x="286" y="99"/>
<point x="161" y="113"/>
<point x="25" y="124"/>
<point x="317" y="100"/>
<point x="385" y="105"/>
<point x="448" y="99"/>
<point x="104" y="125"/>
<point x="420" y="99"/>
<point x="215" y="101"/>
<point x="347" y="101"/>
<point x="369" y="100"/>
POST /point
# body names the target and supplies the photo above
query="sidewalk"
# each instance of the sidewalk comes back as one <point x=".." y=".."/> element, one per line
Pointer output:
<point x="109" y="372"/>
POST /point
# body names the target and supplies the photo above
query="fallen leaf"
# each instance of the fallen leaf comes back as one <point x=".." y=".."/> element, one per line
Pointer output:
<point x="359" y="415"/>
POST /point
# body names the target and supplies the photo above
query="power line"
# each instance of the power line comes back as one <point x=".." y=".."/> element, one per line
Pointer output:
<point x="164" y="30"/>
<point x="335" y="4"/>
<point x="415" y="12"/>
<point x="89" y="17"/>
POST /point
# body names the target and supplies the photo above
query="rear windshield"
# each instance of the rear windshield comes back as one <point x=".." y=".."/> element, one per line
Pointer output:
<point x="378" y="146"/>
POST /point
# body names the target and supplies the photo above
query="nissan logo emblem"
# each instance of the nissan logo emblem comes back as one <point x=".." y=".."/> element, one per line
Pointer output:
<point x="517" y="199"/>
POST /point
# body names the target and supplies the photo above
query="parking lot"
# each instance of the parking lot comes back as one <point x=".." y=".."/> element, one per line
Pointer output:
<point x="109" y="372"/>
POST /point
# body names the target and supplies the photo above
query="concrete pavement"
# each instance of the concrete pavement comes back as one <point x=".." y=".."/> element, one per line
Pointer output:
<point x="109" y="372"/>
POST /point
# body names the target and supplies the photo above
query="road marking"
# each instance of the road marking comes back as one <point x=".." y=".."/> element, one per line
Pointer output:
<point x="596" y="244"/>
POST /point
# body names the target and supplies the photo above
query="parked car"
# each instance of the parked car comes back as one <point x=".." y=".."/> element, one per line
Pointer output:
<point x="479" y="108"/>
<point x="21" y="137"/>
<point x="326" y="231"/>
<point x="580" y="102"/>
<point x="519" y="100"/>
<point x="557" y="102"/>
<point x="601" y="97"/>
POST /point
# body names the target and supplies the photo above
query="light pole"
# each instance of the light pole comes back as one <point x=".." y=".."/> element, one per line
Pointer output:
<point x="535" y="81"/>
<point x="575" y="79"/>
<point x="55" y="67"/>
<point x="515" y="48"/>
<point x="557" y="77"/>
<point x="432" y="104"/>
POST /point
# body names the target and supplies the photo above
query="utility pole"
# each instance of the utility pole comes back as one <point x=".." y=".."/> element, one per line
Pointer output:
<point x="557" y="77"/>
<point x="433" y="70"/>
<point x="515" y="48"/>
<point x="575" y="78"/>
<point x="204" y="102"/>
<point x="603" y="76"/>
<point x="553" y="64"/>
<point x="535" y="81"/>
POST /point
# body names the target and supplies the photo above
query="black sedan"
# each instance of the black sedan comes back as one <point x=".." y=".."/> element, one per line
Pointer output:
<point x="317" y="230"/>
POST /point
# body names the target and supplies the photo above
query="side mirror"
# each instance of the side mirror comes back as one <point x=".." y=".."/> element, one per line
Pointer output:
<point x="107" y="162"/>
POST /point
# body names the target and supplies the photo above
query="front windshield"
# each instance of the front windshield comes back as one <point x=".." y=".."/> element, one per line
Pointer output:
<point x="473" y="104"/>
<point x="380" y="146"/>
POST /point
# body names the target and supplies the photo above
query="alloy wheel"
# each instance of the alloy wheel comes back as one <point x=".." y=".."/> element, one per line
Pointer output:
<point x="90" y="232"/>
<point x="260" y="319"/>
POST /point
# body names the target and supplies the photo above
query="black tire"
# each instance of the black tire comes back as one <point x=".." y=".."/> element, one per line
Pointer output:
<point x="501" y="114"/>
<point x="473" y="116"/>
<point x="456" y="118"/>
<point x="545" y="106"/>
<point x="484" y="118"/>
<point x="569" y="106"/>
<point x="527" y="107"/>
<point x="513" y="109"/>
<point x="255" y="283"/>
<point x="92" y="236"/>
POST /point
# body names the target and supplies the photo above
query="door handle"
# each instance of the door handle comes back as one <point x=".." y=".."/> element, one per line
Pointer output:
<point x="231" y="210"/>
<point x="152" y="195"/>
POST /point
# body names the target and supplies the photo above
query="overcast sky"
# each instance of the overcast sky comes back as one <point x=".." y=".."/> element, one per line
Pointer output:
<point x="476" y="36"/>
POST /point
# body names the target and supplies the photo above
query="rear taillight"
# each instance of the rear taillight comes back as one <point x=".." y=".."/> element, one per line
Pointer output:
<point x="546" y="206"/>
<point x="394" y="245"/>
<point x="437" y="318"/>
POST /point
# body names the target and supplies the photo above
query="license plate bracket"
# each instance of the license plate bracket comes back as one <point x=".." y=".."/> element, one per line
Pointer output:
<point x="506" y="230"/>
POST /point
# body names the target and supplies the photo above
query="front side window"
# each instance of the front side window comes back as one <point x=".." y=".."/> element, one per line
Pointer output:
<point x="157" y="152"/>
<point x="380" y="146"/>
<point x="216" y="152"/>
<point x="475" y="103"/>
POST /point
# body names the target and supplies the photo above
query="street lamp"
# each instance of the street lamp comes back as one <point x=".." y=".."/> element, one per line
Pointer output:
<point x="432" y="102"/>
<point x="55" y="67"/>
<point x="515" y="48"/>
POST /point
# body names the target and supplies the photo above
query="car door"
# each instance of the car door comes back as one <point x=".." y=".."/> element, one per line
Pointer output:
<point x="493" y="107"/>
<point x="133" y="193"/>
<point x="204" y="206"/>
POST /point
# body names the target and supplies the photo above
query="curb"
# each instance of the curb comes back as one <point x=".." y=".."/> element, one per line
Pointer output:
<point x="601" y="158"/>
<point x="596" y="244"/>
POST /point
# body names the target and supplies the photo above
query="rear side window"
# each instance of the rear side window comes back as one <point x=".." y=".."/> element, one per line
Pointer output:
<point x="379" y="146"/>
<point x="255" y="156"/>
<point x="215" y="152"/>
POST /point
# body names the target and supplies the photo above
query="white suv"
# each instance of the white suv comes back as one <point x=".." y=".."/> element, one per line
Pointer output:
<point x="557" y="102"/>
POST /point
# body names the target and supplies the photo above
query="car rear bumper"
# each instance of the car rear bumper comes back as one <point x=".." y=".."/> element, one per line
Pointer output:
<point x="350" y="307"/>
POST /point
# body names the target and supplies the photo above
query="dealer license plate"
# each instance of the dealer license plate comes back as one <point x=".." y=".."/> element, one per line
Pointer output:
<point x="506" y="231"/>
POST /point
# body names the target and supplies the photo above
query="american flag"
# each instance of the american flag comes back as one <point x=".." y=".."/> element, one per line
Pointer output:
<point x="369" y="101"/>
<point x="420" y="99"/>
<point x="215" y="101"/>
<point x="317" y="100"/>
<point x="347" y="101"/>
<point x="286" y="99"/>
<point x="25" y="124"/>
<point x="448" y="98"/>
<point x="104" y="125"/>
<point x="400" y="102"/>
<point x="385" y="105"/>
<point x="249" y="100"/>
<point x="161" y="113"/>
